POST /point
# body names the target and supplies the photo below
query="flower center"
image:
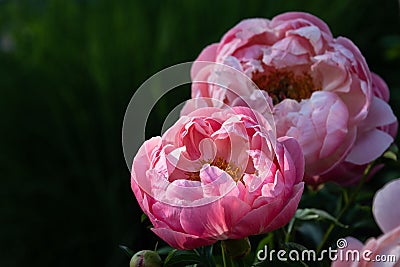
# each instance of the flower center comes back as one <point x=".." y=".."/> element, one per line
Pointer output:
<point x="231" y="169"/>
<point x="282" y="84"/>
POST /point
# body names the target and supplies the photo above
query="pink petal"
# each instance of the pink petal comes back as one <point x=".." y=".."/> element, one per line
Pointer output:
<point x="181" y="240"/>
<point x="392" y="129"/>
<point x="270" y="216"/>
<point x="385" y="210"/>
<point x="380" y="87"/>
<point x="357" y="101"/>
<point x="352" y="244"/>
<point x="369" y="146"/>
<point x="296" y="155"/>
<point x="181" y="193"/>
<point x="321" y="128"/>
<point x="214" y="220"/>
<point x="146" y="203"/>
<point x="311" y="34"/>
<point x="386" y="244"/>
<point x="258" y="100"/>
<point x="171" y="135"/>
<point x="216" y="182"/>
<point x="288" y="52"/>
<point x="177" y="159"/>
<point x="380" y="114"/>
<point x="141" y="162"/>
<point x="285" y="113"/>
<point x="204" y="112"/>
<point x="335" y="118"/>
<point x="208" y="54"/>
<point x="360" y="65"/>
<point x="209" y="174"/>
<point x="273" y="190"/>
<point x="287" y="213"/>
<point x="358" y="104"/>
<point x="256" y="221"/>
<point x="168" y="214"/>
<point x="303" y="17"/>
<point x="244" y="33"/>
<point x="331" y="70"/>
<point x="248" y="54"/>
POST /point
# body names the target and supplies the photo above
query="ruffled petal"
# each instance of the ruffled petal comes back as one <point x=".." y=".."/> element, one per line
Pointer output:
<point x="369" y="146"/>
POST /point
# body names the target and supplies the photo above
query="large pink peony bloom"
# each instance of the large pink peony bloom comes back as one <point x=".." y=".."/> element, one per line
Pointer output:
<point x="320" y="86"/>
<point x="384" y="250"/>
<point x="217" y="174"/>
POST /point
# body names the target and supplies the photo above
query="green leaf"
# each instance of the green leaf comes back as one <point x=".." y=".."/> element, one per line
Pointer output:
<point x="290" y="228"/>
<point x="390" y="155"/>
<point x="127" y="251"/>
<point x="268" y="240"/>
<point x="181" y="258"/>
<point x="316" y="214"/>
<point x="206" y="253"/>
<point x="164" y="250"/>
<point x="143" y="218"/>
<point x="394" y="148"/>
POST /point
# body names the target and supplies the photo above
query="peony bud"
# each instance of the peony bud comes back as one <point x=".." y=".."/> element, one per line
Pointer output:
<point x="146" y="258"/>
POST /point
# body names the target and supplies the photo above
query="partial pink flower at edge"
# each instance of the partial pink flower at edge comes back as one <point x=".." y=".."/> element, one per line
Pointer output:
<point x="387" y="216"/>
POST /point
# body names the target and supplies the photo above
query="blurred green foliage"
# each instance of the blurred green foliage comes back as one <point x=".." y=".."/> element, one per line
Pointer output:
<point x="67" y="72"/>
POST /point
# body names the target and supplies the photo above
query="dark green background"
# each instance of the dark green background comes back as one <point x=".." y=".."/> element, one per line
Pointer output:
<point x="67" y="72"/>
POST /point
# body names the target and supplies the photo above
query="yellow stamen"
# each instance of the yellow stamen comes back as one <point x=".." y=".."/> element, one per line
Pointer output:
<point x="232" y="170"/>
<point x="282" y="84"/>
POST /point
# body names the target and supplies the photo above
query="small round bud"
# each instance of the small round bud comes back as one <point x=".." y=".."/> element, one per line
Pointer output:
<point x="146" y="258"/>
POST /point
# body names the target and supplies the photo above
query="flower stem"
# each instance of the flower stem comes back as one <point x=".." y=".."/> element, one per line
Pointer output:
<point x="223" y="255"/>
<point x="232" y="264"/>
<point x="347" y="205"/>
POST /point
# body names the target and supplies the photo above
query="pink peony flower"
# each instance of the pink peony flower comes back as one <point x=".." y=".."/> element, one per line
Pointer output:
<point x="384" y="250"/>
<point x="320" y="89"/>
<point x="217" y="174"/>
